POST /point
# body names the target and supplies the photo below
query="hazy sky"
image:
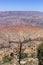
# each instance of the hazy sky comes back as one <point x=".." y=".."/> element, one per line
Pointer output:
<point x="21" y="5"/>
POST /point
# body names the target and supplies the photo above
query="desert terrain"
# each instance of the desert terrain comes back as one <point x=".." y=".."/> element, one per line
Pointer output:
<point x="20" y="27"/>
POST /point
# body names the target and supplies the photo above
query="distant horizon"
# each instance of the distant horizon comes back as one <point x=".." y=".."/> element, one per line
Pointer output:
<point x="19" y="11"/>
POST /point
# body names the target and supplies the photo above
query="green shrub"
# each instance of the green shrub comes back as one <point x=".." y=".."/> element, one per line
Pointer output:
<point x="6" y="59"/>
<point x="40" y="54"/>
<point x="23" y="55"/>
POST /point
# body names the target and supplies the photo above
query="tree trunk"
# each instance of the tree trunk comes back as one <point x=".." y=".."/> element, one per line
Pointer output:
<point x="20" y="52"/>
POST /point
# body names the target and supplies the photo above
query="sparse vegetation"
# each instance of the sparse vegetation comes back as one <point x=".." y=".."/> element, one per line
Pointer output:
<point x="24" y="55"/>
<point x="40" y="54"/>
<point x="34" y="55"/>
<point x="7" y="59"/>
